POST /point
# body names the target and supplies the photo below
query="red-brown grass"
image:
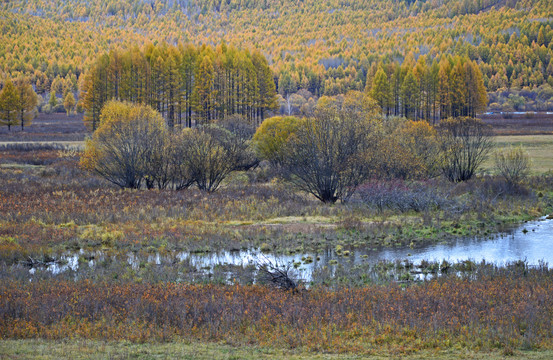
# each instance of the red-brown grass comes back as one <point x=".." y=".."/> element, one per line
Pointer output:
<point x="510" y="307"/>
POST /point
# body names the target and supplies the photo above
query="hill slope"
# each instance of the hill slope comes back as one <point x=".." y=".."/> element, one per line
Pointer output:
<point x="338" y="42"/>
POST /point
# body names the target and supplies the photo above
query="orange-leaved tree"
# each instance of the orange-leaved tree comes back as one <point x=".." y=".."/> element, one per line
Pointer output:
<point x="125" y="147"/>
<point x="9" y="100"/>
<point x="28" y="100"/>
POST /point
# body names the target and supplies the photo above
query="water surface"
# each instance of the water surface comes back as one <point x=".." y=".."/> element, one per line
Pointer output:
<point x="531" y="242"/>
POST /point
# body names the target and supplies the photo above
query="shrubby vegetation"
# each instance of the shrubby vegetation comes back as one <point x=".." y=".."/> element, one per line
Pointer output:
<point x="465" y="143"/>
<point x="127" y="147"/>
<point x="53" y="208"/>
<point x="344" y="142"/>
<point x="381" y="116"/>
<point x="513" y="165"/>
<point x="341" y="144"/>
<point x="499" y="308"/>
<point x="271" y="137"/>
<point x="402" y="197"/>
<point x="407" y="150"/>
<point x="328" y="155"/>
<point x="210" y="153"/>
<point x="133" y="148"/>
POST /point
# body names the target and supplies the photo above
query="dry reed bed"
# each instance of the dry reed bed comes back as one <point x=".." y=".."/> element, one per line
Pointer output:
<point x="498" y="308"/>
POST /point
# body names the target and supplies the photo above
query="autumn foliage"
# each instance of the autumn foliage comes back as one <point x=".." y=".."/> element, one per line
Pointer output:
<point x="134" y="148"/>
<point x="17" y="103"/>
<point x="272" y="135"/>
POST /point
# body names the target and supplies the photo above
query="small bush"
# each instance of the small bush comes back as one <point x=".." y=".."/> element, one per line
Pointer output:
<point x="409" y="151"/>
<point x="212" y="153"/>
<point x="513" y="164"/>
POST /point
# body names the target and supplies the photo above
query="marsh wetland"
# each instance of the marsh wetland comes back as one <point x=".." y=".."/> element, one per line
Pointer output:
<point x="404" y="254"/>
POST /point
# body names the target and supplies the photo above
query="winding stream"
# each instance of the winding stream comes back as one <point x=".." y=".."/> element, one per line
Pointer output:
<point x="531" y="241"/>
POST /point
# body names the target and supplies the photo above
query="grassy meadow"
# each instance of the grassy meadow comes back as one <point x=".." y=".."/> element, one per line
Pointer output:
<point x="539" y="148"/>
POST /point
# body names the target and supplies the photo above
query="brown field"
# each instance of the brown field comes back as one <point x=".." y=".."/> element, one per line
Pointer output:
<point x="57" y="127"/>
<point x="502" y="309"/>
<point x="520" y="124"/>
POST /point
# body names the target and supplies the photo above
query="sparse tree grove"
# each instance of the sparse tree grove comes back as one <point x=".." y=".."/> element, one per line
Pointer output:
<point x="341" y="144"/>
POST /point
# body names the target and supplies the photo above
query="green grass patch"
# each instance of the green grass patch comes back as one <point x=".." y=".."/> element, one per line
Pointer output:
<point x="21" y="166"/>
<point x="300" y="219"/>
<point x="87" y="349"/>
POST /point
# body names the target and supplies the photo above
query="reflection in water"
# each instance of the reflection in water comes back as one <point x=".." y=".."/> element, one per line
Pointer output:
<point x="532" y="242"/>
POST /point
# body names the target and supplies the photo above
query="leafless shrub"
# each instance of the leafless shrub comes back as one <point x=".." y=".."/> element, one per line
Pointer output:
<point x="465" y="143"/>
<point x="328" y="155"/>
<point x="280" y="276"/>
<point x="212" y="153"/>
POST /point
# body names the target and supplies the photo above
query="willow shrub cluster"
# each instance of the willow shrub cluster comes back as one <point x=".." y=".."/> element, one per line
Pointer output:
<point x="133" y="148"/>
<point x="342" y="144"/>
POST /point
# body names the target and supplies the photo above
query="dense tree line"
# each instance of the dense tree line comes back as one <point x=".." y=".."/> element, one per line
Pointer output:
<point x="186" y="84"/>
<point x="452" y="87"/>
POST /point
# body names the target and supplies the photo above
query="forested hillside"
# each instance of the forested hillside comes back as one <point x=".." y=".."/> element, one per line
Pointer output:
<point x="325" y="47"/>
